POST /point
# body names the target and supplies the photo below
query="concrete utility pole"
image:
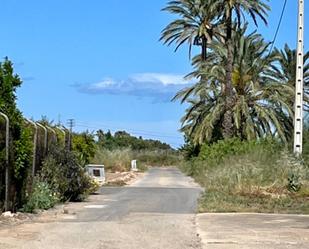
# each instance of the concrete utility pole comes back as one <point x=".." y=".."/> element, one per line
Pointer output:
<point x="7" y="151"/>
<point x="298" y="119"/>
<point x="71" y="123"/>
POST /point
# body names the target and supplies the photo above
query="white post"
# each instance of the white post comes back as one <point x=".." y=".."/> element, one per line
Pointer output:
<point x="298" y="119"/>
<point x="7" y="140"/>
<point x="133" y="165"/>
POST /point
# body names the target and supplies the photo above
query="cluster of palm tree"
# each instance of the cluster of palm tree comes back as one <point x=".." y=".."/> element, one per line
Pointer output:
<point x="243" y="88"/>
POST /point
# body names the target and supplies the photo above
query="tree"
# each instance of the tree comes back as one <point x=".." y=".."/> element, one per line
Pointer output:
<point x="84" y="146"/>
<point x="197" y="24"/>
<point x="285" y="70"/>
<point x="261" y="105"/>
<point x="20" y="137"/>
<point x="253" y="8"/>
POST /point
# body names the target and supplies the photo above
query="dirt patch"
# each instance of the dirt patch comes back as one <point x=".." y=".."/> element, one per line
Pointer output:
<point x="122" y="178"/>
<point x="8" y="219"/>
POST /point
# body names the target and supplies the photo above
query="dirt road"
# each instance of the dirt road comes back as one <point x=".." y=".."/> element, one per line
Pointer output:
<point x="156" y="211"/>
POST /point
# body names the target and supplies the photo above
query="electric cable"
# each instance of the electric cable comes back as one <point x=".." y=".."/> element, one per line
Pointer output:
<point x="278" y="27"/>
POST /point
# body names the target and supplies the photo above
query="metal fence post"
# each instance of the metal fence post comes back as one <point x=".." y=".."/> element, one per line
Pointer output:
<point x="7" y="138"/>
<point x="45" y="137"/>
<point x="34" y="145"/>
<point x="52" y="130"/>
<point x="64" y="134"/>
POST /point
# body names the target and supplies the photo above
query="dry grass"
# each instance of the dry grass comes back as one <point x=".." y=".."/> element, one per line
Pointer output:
<point x="259" y="181"/>
<point x="119" y="160"/>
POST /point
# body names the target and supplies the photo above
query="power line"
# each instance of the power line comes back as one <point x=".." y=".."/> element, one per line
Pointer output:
<point x="100" y="125"/>
<point x="134" y="132"/>
<point x="278" y="27"/>
<point x="147" y="133"/>
<point x="174" y="144"/>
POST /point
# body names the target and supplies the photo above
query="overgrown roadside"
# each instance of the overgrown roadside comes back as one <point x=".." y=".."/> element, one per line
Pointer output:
<point x="250" y="177"/>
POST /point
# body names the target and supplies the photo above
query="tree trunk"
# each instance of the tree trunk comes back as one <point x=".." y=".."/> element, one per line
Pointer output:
<point x="228" y="126"/>
<point x="204" y="49"/>
<point x="203" y="58"/>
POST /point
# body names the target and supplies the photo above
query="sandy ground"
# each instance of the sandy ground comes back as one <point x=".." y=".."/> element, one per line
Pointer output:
<point x="156" y="211"/>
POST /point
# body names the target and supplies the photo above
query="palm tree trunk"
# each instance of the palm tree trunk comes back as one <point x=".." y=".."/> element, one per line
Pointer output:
<point x="203" y="58"/>
<point x="228" y="127"/>
<point x="204" y="49"/>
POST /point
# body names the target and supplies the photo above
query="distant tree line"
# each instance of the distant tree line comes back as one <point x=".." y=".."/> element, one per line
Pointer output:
<point x="122" y="139"/>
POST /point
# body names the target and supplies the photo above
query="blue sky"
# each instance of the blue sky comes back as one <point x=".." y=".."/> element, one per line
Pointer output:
<point x="100" y="62"/>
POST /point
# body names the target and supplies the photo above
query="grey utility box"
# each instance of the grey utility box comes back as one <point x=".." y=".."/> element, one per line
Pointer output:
<point x="97" y="172"/>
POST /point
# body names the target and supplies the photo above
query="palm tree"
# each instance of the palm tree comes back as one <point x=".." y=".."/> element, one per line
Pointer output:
<point x="285" y="70"/>
<point x="197" y="24"/>
<point x="253" y="8"/>
<point x="261" y="105"/>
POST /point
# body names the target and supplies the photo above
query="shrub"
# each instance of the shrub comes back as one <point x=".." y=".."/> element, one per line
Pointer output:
<point x="224" y="148"/>
<point x="158" y="157"/>
<point x="42" y="197"/>
<point x="84" y="146"/>
<point x="255" y="176"/>
<point x="63" y="172"/>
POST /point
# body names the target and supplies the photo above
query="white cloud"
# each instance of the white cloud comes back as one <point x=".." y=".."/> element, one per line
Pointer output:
<point x="159" y="87"/>
<point x="165" y="79"/>
<point x="107" y="82"/>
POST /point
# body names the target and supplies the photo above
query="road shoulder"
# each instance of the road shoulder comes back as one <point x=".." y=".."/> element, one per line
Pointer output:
<point x="244" y="230"/>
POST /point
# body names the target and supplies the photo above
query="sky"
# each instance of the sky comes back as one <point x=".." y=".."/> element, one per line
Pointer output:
<point x="100" y="62"/>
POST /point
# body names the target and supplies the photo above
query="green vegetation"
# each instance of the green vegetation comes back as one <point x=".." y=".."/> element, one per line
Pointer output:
<point x="20" y="140"/>
<point x="42" y="197"/>
<point x="119" y="160"/>
<point x="123" y="140"/>
<point x="250" y="177"/>
<point x="116" y="152"/>
<point x="65" y="175"/>
<point x="244" y="93"/>
<point x="59" y="174"/>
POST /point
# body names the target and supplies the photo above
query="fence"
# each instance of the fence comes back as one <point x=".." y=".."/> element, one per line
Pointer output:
<point x="43" y="136"/>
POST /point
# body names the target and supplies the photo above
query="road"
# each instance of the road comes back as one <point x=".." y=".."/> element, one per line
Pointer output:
<point x="157" y="211"/>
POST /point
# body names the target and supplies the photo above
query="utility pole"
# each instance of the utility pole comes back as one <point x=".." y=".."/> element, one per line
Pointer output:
<point x="71" y="123"/>
<point x="299" y="90"/>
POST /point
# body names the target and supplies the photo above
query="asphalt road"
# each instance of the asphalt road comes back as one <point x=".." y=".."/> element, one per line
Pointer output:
<point x="157" y="211"/>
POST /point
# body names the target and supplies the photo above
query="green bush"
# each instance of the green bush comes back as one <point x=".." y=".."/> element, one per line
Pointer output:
<point x="63" y="172"/>
<point x="42" y="197"/>
<point x="224" y="148"/>
<point x="84" y="145"/>
<point x="158" y="157"/>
